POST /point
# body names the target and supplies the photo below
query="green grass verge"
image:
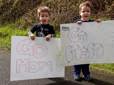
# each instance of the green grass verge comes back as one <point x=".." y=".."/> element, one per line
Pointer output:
<point x="7" y="31"/>
<point x="104" y="67"/>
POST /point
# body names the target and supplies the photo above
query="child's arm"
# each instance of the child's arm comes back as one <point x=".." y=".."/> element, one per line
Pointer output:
<point x="31" y="32"/>
<point x="31" y="35"/>
<point x="79" y="22"/>
<point x="48" y="37"/>
<point x="52" y="34"/>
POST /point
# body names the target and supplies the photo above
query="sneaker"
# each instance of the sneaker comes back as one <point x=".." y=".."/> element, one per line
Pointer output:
<point x="87" y="78"/>
<point x="77" y="77"/>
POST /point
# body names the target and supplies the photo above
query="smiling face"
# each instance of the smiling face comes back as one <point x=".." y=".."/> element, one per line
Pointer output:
<point x="44" y="17"/>
<point x="85" y="13"/>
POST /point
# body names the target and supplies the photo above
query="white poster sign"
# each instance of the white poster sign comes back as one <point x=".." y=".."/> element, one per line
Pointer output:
<point x="35" y="59"/>
<point x="88" y="43"/>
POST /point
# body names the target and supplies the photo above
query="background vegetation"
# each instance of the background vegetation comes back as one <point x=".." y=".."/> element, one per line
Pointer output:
<point x="17" y="16"/>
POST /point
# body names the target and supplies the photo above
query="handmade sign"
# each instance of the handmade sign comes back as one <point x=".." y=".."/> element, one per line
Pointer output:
<point x="90" y="42"/>
<point x="35" y="59"/>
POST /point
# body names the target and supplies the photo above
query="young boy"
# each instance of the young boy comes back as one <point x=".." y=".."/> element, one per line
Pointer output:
<point x="43" y="28"/>
<point x="85" y="13"/>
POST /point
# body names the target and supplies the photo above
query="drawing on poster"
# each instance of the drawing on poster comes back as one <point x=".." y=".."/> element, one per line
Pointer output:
<point x="69" y="53"/>
<point x="96" y="50"/>
<point x="27" y="50"/>
<point x="79" y="51"/>
<point x="31" y="49"/>
<point x="29" y="66"/>
<point x="77" y="35"/>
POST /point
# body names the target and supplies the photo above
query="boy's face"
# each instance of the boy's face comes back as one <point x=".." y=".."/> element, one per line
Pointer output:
<point x="44" y="17"/>
<point x="85" y="12"/>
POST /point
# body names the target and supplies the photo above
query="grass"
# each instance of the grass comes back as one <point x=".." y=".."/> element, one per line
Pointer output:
<point x="7" y="31"/>
<point x="104" y="67"/>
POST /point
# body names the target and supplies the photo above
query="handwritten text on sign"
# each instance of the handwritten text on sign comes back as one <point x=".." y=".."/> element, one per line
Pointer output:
<point x="35" y="59"/>
<point x="88" y="43"/>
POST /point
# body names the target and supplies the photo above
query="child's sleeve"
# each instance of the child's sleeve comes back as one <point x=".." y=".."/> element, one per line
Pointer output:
<point x="32" y="30"/>
<point x="52" y="31"/>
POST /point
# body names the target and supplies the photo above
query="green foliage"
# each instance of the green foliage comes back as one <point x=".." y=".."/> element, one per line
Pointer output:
<point x="6" y="32"/>
<point x="23" y="12"/>
<point x="105" y="67"/>
<point x="11" y="10"/>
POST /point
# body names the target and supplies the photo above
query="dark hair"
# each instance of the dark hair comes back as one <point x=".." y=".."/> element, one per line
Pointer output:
<point x="86" y="3"/>
<point x="43" y="9"/>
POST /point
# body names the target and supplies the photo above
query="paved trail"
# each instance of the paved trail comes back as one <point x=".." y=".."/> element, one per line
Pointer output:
<point x="99" y="78"/>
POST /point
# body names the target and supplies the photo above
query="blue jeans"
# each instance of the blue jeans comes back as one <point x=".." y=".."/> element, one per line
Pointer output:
<point x="84" y="68"/>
